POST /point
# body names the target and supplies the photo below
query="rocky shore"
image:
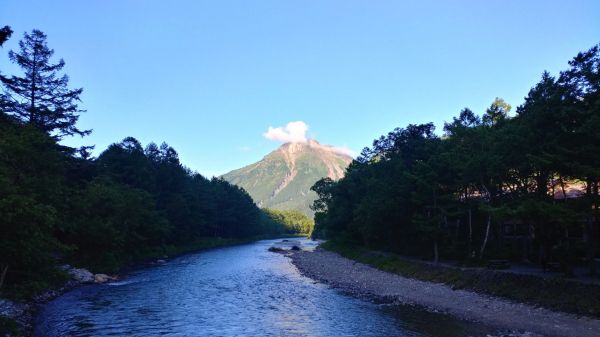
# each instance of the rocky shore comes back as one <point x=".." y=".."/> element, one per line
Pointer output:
<point x="23" y="314"/>
<point x="364" y="281"/>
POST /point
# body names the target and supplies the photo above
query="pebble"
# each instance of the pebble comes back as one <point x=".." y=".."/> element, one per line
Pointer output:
<point x="364" y="281"/>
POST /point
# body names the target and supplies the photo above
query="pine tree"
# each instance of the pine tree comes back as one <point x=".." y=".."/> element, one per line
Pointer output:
<point x="41" y="97"/>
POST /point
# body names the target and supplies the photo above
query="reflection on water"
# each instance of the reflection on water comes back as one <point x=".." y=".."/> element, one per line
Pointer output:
<point x="235" y="291"/>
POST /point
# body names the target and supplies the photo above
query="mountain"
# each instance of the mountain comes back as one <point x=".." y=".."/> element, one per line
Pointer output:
<point x="283" y="178"/>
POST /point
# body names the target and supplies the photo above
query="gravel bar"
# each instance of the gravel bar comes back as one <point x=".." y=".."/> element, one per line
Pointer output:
<point x="364" y="281"/>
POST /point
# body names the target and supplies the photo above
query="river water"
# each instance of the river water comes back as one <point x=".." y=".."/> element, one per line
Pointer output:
<point x="234" y="291"/>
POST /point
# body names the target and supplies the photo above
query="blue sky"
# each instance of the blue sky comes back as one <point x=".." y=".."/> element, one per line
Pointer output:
<point x="210" y="77"/>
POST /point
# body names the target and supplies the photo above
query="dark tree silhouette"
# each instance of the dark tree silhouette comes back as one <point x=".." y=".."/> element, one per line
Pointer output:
<point x="5" y="34"/>
<point x="59" y="205"/>
<point x="41" y="97"/>
<point x="492" y="187"/>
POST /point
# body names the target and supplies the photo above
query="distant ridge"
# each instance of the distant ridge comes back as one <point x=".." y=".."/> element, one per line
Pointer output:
<point x="283" y="178"/>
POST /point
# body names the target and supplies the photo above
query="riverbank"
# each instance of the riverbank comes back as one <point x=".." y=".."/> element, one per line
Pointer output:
<point x="365" y="281"/>
<point x="554" y="292"/>
<point x="17" y="317"/>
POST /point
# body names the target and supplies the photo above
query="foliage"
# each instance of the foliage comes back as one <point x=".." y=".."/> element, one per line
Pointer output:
<point x="104" y="213"/>
<point x="288" y="222"/>
<point x="58" y="205"/>
<point x="493" y="186"/>
<point x="41" y="96"/>
<point x="31" y="171"/>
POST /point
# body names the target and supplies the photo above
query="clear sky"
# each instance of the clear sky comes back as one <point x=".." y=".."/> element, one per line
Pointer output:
<point x="210" y="77"/>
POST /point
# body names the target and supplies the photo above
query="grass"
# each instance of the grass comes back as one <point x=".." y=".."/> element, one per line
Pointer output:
<point x="553" y="293"/>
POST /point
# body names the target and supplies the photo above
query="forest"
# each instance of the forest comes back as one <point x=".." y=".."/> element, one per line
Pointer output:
<point x="61" y="205"/>
<point x="293" y="221"/>
<point x="521" y="186"/>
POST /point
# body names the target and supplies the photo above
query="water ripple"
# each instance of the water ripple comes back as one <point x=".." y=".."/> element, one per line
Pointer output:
<point x="235" y="291"/>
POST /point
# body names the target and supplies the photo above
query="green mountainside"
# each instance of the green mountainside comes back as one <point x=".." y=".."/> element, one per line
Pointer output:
<point x="283" y="178"/>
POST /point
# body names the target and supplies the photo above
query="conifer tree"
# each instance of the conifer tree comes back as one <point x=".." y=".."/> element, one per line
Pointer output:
<point x="42" y="97"/>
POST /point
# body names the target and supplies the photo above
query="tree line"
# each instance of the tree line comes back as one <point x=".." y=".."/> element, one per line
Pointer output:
<point x="293" y="221"/>
<point x="495" y="186"/>
<point x="61" y="205"/>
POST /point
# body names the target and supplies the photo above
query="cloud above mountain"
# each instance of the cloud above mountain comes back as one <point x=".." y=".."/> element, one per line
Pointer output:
<point x="292" y="132"/>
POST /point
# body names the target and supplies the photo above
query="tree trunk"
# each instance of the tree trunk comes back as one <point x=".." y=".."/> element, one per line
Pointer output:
<point x="3" y="275"/>
<point x="589" y="245"/>
<point x="562" y="187"/>
<point x="588" y="233"/>
<point x="32" y="94"/>
<point x="436" y="256"/>
<point x="542" y="185"/>
<point x="593" y="232"/>
<point x="525" y="249"/>
<point x="592" y="259"/>
<point x="487" y="234"/>
<point x="470" y="233"/>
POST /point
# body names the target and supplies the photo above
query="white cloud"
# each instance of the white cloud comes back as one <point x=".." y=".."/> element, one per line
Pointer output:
<point x="293" y="132"/>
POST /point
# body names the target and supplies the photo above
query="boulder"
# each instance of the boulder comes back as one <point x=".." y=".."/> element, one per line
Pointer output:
<point x="81" y="275"/>
<point x="294" y="247"/>
<point x="103" y="278"/>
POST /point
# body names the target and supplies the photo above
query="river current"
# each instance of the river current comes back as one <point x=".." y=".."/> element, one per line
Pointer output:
<point x="233" y="291"/>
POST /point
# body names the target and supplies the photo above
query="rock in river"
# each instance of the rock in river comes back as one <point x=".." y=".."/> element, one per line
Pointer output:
<point x="103" y="278"/>
<point x="81" y="275"/>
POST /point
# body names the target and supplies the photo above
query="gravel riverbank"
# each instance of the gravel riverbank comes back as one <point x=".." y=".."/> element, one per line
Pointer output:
<point x="367" y="282"/>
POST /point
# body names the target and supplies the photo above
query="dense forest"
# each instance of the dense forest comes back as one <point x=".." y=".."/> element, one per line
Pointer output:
<point x="498" y="186"/>
<point x="61" y="205"/>
<point x="293" y="221"/>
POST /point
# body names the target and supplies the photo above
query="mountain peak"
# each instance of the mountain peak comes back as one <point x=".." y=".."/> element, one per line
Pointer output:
<point x="283" y="178"/>
<point x="313" y="144"/>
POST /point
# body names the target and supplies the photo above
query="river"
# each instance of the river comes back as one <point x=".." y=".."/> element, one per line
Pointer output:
<point x="233" y="291"/>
